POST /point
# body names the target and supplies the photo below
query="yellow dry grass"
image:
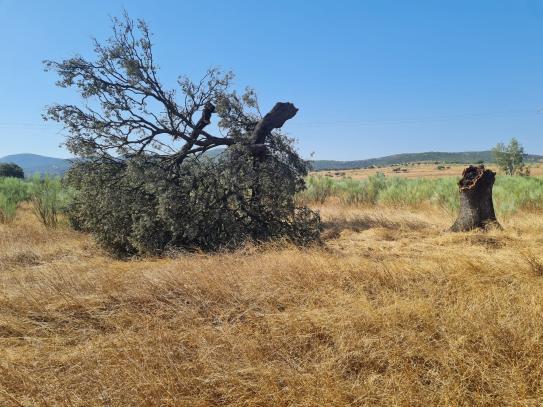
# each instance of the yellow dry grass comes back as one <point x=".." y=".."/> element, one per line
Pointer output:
<point x="392" y="310"/>
<point x="418" y="170"/>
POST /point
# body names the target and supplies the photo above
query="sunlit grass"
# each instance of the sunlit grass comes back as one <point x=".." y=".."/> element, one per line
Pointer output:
<point x="393" y="310"/>
<point x="511" y="194"/>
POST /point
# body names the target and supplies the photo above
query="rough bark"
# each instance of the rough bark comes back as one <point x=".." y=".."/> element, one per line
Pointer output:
<point x="275" y="119"/>
<point x="476" y="206"/>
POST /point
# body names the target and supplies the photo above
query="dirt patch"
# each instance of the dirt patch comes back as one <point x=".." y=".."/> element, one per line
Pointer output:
<point x="334" y="226"/>
<point x="24" y="258"/>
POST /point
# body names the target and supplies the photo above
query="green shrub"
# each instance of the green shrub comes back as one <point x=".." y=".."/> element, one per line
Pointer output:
<point x="513" y="193"/>
<point x="364" y="192"/>
<point x="445" y="194"/>
<point x="351" y="192"/>
<point x="15" y="189"/>
<point x="8" y="209"/>
<point x="319" y="189"/>
<point x="404" y="192"/>
<point x="11" y="170"/>
<point x="49" y="199"/>
<point x="137" y="207"/>
<point x="12" y="192"/>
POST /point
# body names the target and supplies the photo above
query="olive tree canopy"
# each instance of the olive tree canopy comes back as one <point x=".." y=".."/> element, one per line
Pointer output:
<point x="145" y="183"/>
<point x="128" y="112"/>
<point x="11" y="170"/>
<point x="510" y="158"/>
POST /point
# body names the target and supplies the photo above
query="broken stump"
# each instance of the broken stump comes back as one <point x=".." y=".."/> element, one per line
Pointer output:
<point x="476" y="206"/>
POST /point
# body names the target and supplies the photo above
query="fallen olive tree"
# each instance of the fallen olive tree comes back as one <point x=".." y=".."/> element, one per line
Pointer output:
<point x="476" y="206"/>
<point x="152" y="176"/>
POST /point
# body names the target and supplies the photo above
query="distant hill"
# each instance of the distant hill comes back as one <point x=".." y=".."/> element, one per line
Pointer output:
<point x="467" y="157"/>
<point x="39" y="164"/>
<point x="33" y="163"/>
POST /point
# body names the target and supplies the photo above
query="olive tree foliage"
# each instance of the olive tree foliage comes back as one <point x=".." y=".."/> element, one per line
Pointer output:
<point x="11" y="170"/>
<point x="510" y="158"/>
<point x="145" y="183"/>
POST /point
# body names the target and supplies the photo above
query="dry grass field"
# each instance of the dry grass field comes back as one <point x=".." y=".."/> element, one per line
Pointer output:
<point x="418" y="170"/>
<point x="392" y="310"/>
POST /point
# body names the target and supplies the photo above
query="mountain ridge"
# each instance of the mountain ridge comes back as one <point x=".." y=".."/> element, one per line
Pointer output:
<point x="38" y="164"/>
<point x="464" y="157"/>
<point x="35" y="163"/>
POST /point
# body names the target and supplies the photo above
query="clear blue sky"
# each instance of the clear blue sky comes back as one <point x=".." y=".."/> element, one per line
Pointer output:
<point x="371" y="78"/>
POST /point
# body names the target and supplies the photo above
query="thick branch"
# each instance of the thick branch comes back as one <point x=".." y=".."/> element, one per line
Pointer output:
<point x="127" y="112"/>
<point x="208" y="110"/>
<point x="275" y="119"/>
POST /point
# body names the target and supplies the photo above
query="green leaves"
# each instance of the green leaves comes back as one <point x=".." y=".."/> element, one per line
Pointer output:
<point x="146" y="185"/>
<point x="136" y="207"/>
<point x="510" y="158"/>
<point x="8" y="208"/>
<point x="11" y="170"/>
<point x="126" y="111"/>
<point x="49" y="199"/>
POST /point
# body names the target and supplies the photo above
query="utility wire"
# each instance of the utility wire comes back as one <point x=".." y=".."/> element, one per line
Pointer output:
<point x="419" y="120"/>
<point x="370" y="122"/>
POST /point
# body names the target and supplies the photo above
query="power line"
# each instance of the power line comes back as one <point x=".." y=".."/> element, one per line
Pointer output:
<point x="370" y="122"/>
<point x="24" y="125"/>
<point x="419" y="120"/>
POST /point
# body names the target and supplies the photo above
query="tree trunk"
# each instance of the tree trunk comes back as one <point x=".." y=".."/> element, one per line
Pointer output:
<point x="476" y="207"/>
<point x="274" y="119"/>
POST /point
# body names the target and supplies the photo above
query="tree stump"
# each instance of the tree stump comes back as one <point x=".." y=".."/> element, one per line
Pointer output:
<point x="476" y="207"/>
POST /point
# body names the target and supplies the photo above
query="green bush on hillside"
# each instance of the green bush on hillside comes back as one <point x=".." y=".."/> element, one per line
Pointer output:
<point x="11" y="170"/>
